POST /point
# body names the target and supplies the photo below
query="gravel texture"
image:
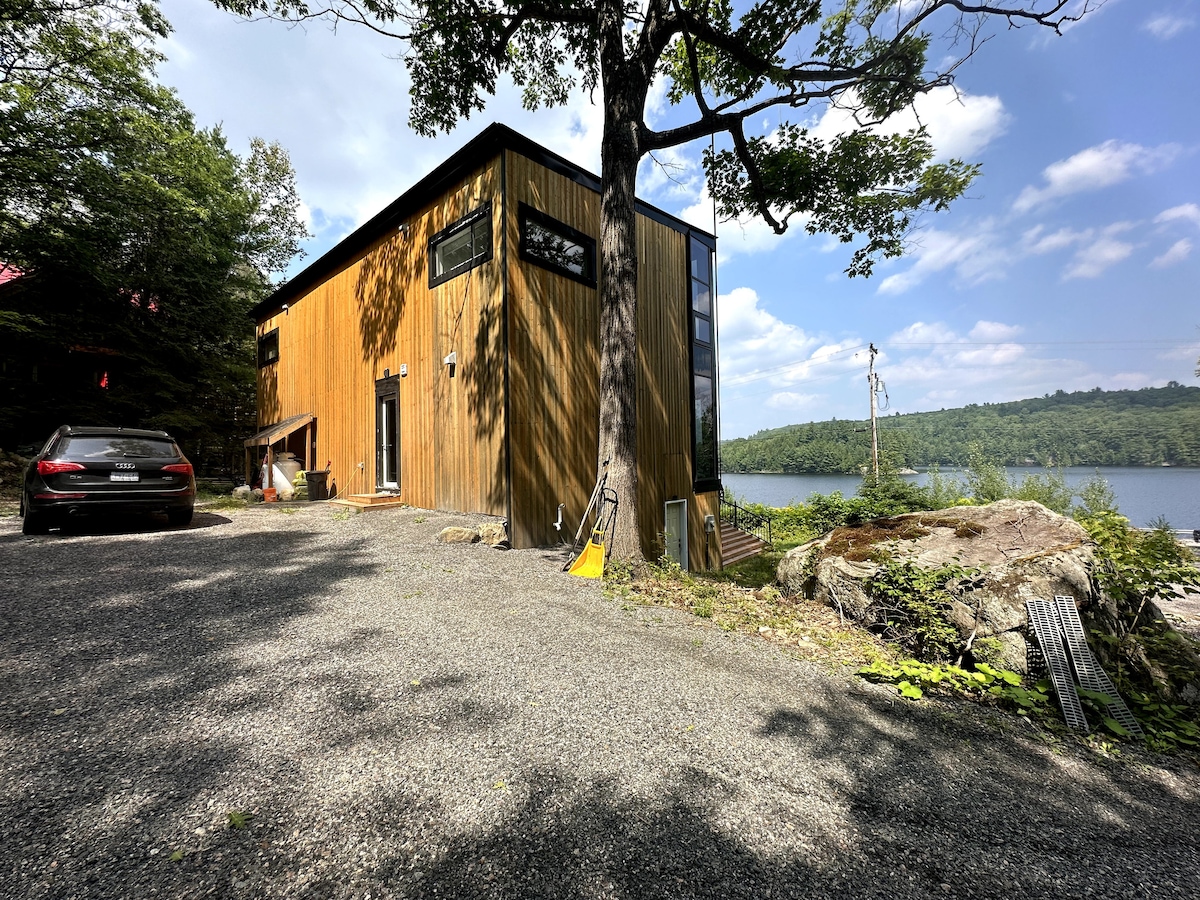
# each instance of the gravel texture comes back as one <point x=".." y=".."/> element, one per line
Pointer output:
<point x="400" y="718"/>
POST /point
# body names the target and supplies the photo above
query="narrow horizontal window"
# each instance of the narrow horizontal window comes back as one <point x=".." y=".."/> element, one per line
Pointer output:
<point x="462" y="246"/>
<point x="556" y="246"/>
<point x="268" y="348"/>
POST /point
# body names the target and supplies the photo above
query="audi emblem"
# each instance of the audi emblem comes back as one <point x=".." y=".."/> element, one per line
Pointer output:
<point x="126" y="466"/>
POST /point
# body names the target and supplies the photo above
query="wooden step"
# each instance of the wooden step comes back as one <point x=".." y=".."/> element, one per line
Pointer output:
<point x="369" y="501"/>
<point x="738" y="545"/>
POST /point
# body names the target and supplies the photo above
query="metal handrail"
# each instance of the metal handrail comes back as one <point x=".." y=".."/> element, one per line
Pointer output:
<point x="745" y="520"/>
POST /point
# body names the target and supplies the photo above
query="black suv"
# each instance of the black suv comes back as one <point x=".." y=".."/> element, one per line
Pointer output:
<point x="85" y="471"/>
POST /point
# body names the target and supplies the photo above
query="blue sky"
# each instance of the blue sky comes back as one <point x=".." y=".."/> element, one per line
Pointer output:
<point x="1072" y="263"/>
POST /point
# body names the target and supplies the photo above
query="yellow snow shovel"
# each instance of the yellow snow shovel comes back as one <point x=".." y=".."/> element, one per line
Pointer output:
<point x="596" y="491"/>
<point x="590" y="563"/>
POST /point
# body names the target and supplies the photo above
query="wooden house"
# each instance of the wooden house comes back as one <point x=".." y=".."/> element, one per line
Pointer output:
<point x="447" y="354"/>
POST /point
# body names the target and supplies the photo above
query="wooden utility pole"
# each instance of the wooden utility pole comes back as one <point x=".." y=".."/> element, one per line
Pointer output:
<point x="873" y="382"/>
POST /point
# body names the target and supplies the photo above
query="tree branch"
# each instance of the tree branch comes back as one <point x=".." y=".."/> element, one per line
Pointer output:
<point x="757" y="188"/>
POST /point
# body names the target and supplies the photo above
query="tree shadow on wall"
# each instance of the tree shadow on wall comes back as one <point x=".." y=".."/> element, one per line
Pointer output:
<point x="486" y="386"/>
<point x="380" y="294"/>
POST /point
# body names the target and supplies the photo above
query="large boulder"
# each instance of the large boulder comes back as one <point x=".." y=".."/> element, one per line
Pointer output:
<point x="1019" y="549"/>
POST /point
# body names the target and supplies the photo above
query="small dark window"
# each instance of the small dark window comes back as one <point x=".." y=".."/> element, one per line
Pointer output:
<point x="462" y="246"/>
<point x="268" y="348"/>
<point x="556" y="246"/>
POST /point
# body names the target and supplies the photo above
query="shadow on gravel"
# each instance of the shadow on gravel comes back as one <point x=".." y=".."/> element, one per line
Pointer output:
<point x="135" y="673"/>
<point x="125" y="524"/>
<point x="896" y="810"/>
<point x="110" y="656"/>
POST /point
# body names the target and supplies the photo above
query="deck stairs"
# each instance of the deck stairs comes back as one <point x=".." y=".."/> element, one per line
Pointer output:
<point x="743" y="533"/>
<point x="738" y="545"/>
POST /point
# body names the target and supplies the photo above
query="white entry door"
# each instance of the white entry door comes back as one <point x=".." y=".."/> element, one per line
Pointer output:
<point x="675" y="531"/>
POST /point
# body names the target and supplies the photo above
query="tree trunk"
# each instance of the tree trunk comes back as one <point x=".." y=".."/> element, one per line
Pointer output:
<point x="619" y="156"/>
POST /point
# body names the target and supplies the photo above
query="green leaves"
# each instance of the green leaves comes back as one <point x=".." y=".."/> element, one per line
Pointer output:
<point x="145" y="239"/>
<point x="915" y="600"/>
<point x="913" y="678"/>
<point x="1135" y="565"/>
<point x="240" y="818"/>
<point x="860" y="183"/>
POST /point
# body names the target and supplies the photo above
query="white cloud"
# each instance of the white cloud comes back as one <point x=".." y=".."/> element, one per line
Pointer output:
<point x="764" y="359"/>
<point x="960" y="125"/>
<point x="1101" y="254"/>
<point x="975" y="256"/>
<point x="792" y="401"/>
<point x="1166" y="26"/>
<point x="1095" y="168"/>
<point x="994" y="331"/>
<point x="742" y="237"/>
<point x="673" y="173"/>
<point x="933" y="364"/>
<point x="1035" y="243"/>
<point x="924" y="333"/>
<point x="1176" y="253"/>
<point x="1188" y="212"/>
<point x="754" y="339"/>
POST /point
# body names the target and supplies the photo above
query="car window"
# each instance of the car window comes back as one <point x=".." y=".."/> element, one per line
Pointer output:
<point x="117" y="447"/>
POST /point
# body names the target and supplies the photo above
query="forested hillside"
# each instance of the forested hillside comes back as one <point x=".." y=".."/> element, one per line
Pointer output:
<point x="1086" y="428"/>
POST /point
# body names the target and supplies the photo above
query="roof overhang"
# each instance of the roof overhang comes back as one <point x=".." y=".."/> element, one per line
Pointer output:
<point x="279" y="430"/>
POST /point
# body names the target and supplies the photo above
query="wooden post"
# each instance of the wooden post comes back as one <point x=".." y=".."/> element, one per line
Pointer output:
<point x="871" y="381"/>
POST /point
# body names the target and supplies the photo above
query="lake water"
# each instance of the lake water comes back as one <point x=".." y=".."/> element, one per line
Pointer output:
<point x="1143" y="494"/>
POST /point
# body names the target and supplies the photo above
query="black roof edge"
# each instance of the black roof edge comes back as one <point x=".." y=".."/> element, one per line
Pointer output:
<point x="485" y="145"/>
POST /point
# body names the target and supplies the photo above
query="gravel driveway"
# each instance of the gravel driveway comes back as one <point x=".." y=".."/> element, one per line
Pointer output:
<point x="406" y="719"/>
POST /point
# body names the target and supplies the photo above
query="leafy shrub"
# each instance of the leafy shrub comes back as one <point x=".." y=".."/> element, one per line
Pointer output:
<point x="1138" y="566"/>
<point x="914" y="603"/>
<point x="1095" y="497"/>
<point x="891" y="495"/>
<point x="1048" y="489"/>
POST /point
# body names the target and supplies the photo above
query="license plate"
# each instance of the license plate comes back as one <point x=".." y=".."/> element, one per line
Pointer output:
<point x="123" y="476"/>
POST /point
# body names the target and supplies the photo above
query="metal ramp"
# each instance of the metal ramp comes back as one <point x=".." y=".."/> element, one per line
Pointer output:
<point x="1064" y="647"/>
<point x="1043" y="616"/>
<point x="1087" y="670"/>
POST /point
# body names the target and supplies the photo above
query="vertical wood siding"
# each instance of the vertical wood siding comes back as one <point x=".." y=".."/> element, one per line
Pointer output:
<point x="554" y="329"/>
<point x="377" y="313"/>
<point x="554" y="372"/>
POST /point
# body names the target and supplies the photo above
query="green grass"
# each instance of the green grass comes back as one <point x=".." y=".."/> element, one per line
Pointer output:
<point x="757" y="571"/>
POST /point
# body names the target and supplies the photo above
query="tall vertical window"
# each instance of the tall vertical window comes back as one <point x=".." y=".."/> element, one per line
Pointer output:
<point x="462" y="246"/>
<point x="704" y="369"/>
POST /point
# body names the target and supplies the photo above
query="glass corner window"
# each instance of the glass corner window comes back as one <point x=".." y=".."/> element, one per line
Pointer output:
<point x="705" y="464"/>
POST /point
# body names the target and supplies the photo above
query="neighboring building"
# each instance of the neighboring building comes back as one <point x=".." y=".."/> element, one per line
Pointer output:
<point x="448" y="351"/>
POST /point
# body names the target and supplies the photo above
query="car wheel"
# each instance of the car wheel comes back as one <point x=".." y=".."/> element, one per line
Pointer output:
<point x="35" y="523"/>
<point x="179" y="516"/>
